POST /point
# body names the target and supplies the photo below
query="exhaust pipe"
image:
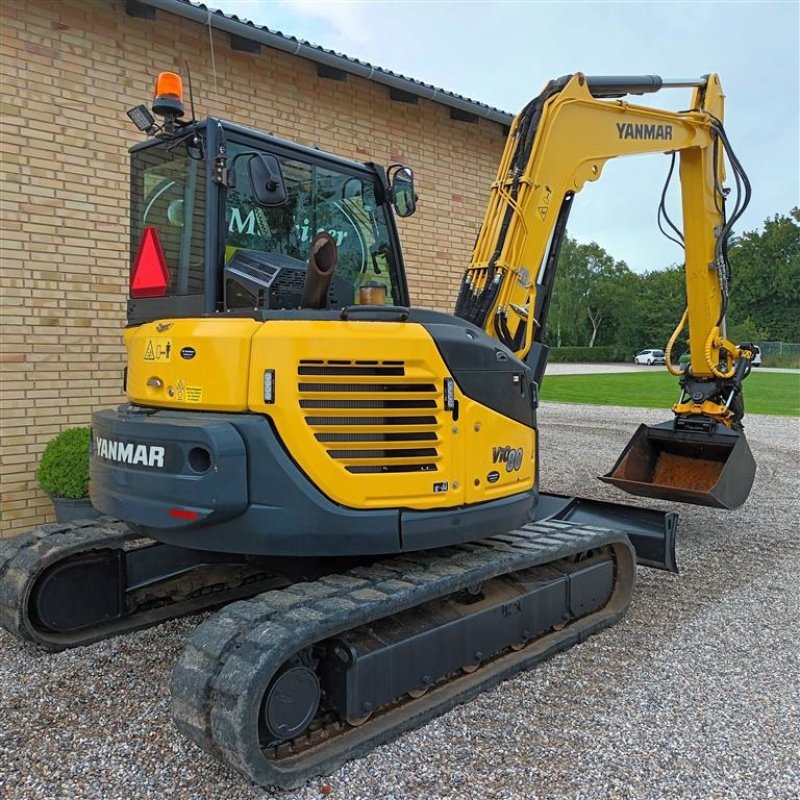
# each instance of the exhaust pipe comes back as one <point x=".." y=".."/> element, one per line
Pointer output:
<point x="321" y="266"/>
<point x="706" y="465"/>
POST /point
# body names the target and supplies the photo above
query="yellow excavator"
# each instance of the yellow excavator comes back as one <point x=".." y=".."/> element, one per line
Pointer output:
<point x="352" y="480"/>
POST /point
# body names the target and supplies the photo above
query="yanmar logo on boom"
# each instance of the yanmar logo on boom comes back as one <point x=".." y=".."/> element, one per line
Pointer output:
<point x="627" y="130"/>
<point x="128" y="453"/>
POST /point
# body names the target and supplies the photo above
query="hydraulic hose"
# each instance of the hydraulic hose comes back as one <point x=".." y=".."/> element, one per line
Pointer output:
<point x="671" y="343"/>
<point x="715" y="371"/>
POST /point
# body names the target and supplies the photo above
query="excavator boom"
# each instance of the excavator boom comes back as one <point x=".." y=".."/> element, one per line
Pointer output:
<point x="558" y="143"/>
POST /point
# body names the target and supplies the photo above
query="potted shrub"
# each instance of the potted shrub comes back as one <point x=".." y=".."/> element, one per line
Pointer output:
<point x="63" y="474"/>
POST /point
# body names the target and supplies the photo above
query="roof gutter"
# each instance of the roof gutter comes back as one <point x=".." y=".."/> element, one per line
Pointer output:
<point x="297" y="48"/>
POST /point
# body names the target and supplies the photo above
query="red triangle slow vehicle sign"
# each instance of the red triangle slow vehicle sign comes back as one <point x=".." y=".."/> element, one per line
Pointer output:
<point x="150" y="276"/>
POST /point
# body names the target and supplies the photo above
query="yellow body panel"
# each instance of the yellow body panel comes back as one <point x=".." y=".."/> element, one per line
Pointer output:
<point x="380" y="438"/>
<point x="340" y="387"/>
<point x="499" y="453"/>
<point x="213" y="379"/>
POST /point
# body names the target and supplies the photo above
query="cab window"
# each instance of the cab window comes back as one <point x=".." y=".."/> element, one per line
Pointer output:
<point x="318" y="199"/>
<point x="168" y="193"/>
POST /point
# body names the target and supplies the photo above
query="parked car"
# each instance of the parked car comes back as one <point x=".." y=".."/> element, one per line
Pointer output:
<point x="755" y="361"/>
<point x="650" y="357"/>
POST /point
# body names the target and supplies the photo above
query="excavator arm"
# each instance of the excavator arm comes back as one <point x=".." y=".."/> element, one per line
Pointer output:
<point x="561" y="140"/>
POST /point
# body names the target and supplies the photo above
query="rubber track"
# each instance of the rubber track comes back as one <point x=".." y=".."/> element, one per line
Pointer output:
<point x="25" y="557"/>
<point x="228" y="662"/>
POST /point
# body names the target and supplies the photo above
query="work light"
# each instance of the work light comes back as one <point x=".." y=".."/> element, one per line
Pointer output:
<point x="141" y="118"/>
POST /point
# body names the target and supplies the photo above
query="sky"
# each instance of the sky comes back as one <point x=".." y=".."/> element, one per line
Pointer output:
<point x="502" y="54"/>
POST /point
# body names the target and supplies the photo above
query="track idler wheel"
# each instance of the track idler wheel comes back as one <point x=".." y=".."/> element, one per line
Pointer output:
<point x="291" y="702"/>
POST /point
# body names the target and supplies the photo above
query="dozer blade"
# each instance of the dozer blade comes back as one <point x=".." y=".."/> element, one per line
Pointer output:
<point x="652" y="533"/>
<point x="706" y="466"/>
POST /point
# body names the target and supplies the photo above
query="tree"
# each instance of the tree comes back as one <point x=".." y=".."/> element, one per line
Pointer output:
<point x="660" y="304"/>
<point x="565" y="325"/>
<point x="599" y="301"/>
<point x="591" y="296"/>
<point x="765" y="280"/>
<point x="607" y="293"/>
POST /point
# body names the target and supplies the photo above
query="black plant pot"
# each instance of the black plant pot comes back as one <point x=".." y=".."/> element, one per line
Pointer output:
<point x="68" y="509"/>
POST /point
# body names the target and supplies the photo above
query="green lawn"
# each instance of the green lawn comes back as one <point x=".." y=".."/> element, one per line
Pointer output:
<point x="764" y="392"/>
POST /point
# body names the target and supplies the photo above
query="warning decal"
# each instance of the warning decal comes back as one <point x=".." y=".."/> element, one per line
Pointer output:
<point x="158" y="349"/>
<point x="194" y="394"/>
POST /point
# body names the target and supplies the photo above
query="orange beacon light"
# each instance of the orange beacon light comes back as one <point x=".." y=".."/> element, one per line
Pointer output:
<point x="168" y="95"/>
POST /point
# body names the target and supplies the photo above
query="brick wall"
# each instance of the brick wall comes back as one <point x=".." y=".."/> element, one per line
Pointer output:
<point x="68" y="71"/>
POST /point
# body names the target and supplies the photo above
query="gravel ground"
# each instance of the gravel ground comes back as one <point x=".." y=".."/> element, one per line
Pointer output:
<point x="695" y="694"/>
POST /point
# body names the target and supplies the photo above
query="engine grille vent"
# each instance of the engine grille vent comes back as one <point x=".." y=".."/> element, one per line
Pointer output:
<point x="395" y="412"/>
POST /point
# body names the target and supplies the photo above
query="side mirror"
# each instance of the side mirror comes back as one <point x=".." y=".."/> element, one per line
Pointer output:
<point x="401" y="182"/>
<point x="266" y="180"/>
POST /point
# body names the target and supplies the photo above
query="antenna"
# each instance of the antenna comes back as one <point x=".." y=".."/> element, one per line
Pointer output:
<point x="191" y="93"/>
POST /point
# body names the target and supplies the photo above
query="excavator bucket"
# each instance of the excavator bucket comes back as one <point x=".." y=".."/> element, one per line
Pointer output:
<point x="710" y="466"/>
